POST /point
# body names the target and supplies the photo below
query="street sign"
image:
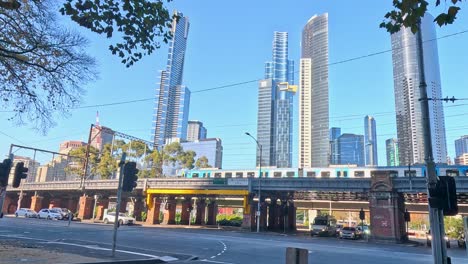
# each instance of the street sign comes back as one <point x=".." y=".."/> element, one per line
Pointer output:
<point x="242" y="182"/>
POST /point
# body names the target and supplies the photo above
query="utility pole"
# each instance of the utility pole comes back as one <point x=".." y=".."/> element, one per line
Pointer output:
<point x="436" y="217"/>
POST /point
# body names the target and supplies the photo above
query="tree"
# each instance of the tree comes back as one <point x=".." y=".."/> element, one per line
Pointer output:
<point x="453" y="226"/>
<point x="202" y="162"/>
<point x="76" y="166"/>
<point x="187" y="159"/>
<point x="171" y="153"/>
<point x="107" y="164"/>
<point x="135" y="148"/>
<point x="42" y="65"/>
<point x="408" y="12"/>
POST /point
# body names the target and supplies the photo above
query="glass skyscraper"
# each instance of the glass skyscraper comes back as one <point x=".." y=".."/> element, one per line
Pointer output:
<point x="172" y="98"/>
<point x="313" y="94"/>
<point x="275" y="107"/>
<point x="391" y="145"/>
<point x="335" y="133"/>
<point x="370" y="141"/>
<point x="406" y="84"/>
<point x="350" y="149"/>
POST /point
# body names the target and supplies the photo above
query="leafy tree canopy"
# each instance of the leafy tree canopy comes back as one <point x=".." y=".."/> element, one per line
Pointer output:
<point x="407" y="13"/>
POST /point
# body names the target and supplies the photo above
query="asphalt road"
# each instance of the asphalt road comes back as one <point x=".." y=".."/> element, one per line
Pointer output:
<point x="178" y="245"/>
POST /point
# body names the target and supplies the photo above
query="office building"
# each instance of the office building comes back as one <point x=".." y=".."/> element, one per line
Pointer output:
<point x="172" y="98"/>
<point x="195" y="130"/>
<point x="407" y="94"/>
<point x="391" y="146"/>
<point x="29" y="163"/>
<point x="461" y="145"/>
<point x="335" y="133"/>
<point x="462" y="159"/>
<point x="314" y="140"/>
<point x="67" y="146"/>
<point x="275" y="107"/>
<point x="350" y="149"/>
<point x="370" y="141"/>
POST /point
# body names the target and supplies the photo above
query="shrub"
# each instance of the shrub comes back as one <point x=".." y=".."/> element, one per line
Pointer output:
<point x="229" y="220"/>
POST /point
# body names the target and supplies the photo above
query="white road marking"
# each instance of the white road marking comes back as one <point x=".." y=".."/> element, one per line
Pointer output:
<point x="212" y="261"/>
<point x="222" y="251"/>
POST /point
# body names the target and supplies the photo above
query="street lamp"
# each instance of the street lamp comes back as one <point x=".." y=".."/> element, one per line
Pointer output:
<point x="259" y="181"/>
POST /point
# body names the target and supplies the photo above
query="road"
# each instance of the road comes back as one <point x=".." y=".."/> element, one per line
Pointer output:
<point x="177" y="245"/>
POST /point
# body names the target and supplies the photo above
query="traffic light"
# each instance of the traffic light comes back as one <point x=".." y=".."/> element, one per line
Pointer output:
<point x="444" y="195"/>
<point x="130" y="177"/>
<point x="5" y="167"/>
<point x="21" y="172"/>
<point x="362" y="215"/>
<point x="407" y="216"/>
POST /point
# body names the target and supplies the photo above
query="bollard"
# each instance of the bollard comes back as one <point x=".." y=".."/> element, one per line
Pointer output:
<point x="297" y="256"/>
<point x="69" y="217"/>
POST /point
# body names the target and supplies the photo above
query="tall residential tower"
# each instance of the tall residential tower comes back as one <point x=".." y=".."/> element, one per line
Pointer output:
<point x="370" y="141"/>
<point x="313" y="94"/>
<point x="406" y="84"/>
<point x="275" y="106"/>
<point x="172" y="98"/>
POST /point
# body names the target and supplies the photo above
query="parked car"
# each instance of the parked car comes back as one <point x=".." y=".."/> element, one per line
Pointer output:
<point x="350" y="232"/>
<point x="123" y="219"/>
<point x="64" y="212"/>
<point x="429" y="239"/>
<point x="323" y="226"/>
<point x="26" y="213"/>
<point x="49" y="214"/>
<point x="364" y="229"/>
<point x="461" y="241"/>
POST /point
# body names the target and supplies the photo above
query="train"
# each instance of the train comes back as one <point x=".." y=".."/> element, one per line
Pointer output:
<point x="327" y="172"/>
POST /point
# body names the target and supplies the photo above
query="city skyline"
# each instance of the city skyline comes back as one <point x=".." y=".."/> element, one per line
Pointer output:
<point x="343" y="79"/>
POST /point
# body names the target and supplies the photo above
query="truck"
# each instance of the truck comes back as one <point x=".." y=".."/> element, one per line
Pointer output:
<point x="324" y="225"/>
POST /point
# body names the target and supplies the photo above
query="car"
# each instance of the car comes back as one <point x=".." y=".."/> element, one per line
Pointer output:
<point x="338" y="229"/>
<point x="350" y="232"/>
<point x="49" y="214"/>
<point x="461" y="241"/>
<point x="429" y="239"/>
<point x="123" y="219"/>
<point x="26" y="213"/>
<point x="64" y="212"/>
<point x="324" y="225"/>
<point x="364" y="229"/>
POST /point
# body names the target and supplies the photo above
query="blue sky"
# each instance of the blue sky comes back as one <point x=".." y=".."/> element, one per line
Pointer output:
<point x="229" y="41"/>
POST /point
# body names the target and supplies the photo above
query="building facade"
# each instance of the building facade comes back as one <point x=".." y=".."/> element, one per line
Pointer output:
<point x="29" y="163"/>
<point x="370" y="141"/>
<point x="350" y="149"/>
<point x="462" y="159"/>
<point x="314" y="140"/>
<point x="391" y="146"/>
<point x="172" y="98"/>
<point x="407" y="94"/>
<point x="335" y="133"/>
<point x="67" y="146"/>
<point x="195" y="130"/>
<point x="275" y="107"/>
<point x="461" y="145"/>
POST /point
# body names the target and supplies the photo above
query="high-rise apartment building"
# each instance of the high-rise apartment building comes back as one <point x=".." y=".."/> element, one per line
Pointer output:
<point x="462" y="159"/>
<point x="407" y="94"/>
<point x="391" y="146"/>
<point x="195" y="130"/>
<point x="172" y="98"/>
<point x="275" y="107"/>
<point x="370" y="141"/>
<point x="314" y="137"/>
<point x="461" y="145"/>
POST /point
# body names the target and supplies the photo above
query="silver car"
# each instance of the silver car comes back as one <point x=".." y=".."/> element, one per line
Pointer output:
<point x="350" y="232"/>
<point x="28" y="213"/>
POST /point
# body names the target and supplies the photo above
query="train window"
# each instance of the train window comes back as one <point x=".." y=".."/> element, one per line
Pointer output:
<point x="239" y="174"/>
<point x="359" y="174"/>
<point x="412" y="173"/>
<point x="338" y="174"/>
<point x="228" y="175"/>
<point x="452" y="173"/>
<point x="311" y="174"/>
<point x="393" y="173"/>
<point x="195" y="175"/>
<point x="290" y="174"/>
<point x="250" y="174"/>
<point x="466" y="173"/>
<point x="204" y="175"/>
<point x="345" y="173"/>
<point x="265" y="174"/>
<point x="277" y="174"/>
<point x="217" y="175"/>
<point x="325" y="174"/>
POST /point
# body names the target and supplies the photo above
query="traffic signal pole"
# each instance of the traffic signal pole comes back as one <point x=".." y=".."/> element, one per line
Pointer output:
<point x="3" y="188"/>
<point x="436" y="217"/>
<point x="119" y="196"/>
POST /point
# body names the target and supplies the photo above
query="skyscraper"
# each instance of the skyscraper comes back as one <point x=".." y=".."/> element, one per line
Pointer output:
<point x="335" y="133"/>
<point x="275" y="106"/>
<point x="172" y="98"/>
<point x="391" y="146"/>
<point x="313" y="96"/>
<point x="461" y="146"/>
<point x="370" y="141"/>
<point x="195" y="130"/>
<point x="407" y="94"/>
